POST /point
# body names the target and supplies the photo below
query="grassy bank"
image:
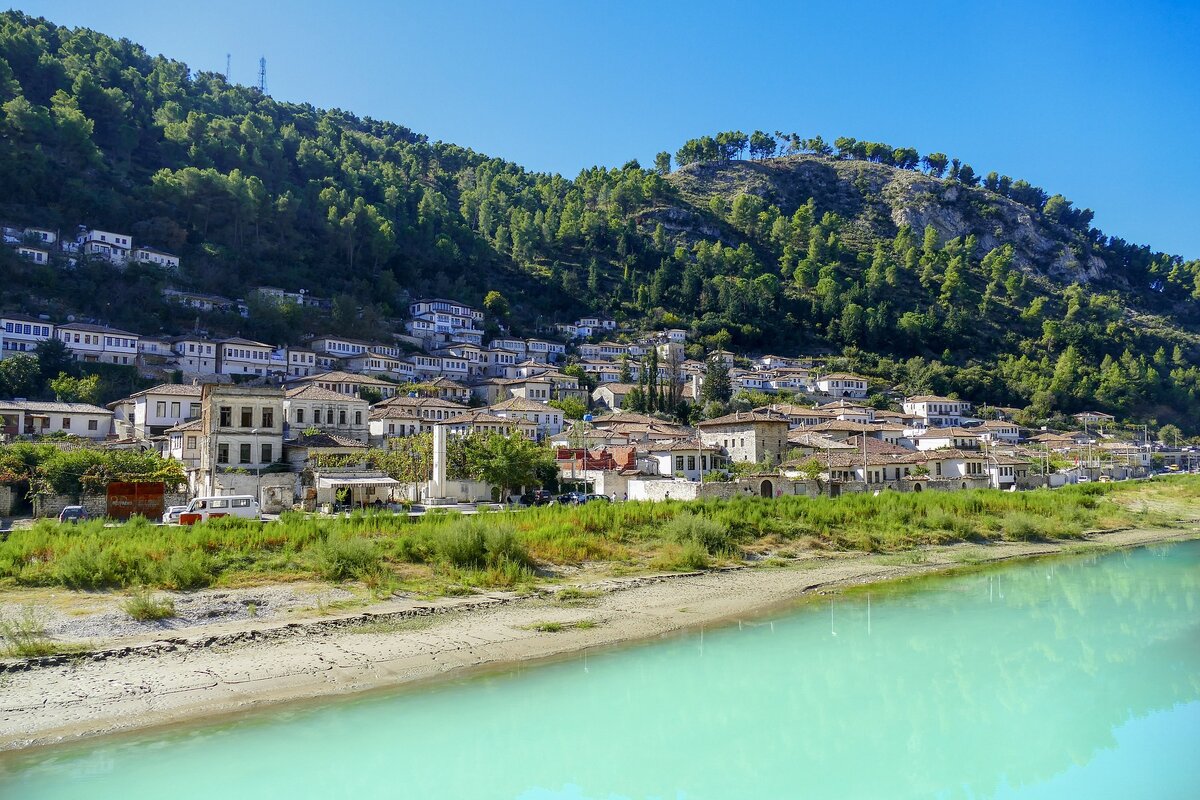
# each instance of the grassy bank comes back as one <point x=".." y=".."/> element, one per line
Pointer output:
<point x="448" y="554"/>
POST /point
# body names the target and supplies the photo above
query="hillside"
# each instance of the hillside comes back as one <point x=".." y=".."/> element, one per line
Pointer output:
<point x="933" y="283"/>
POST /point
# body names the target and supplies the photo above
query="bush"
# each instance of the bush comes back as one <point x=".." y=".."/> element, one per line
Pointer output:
<point x="462" y="543"/>
<point x="713" y="537"/>
<point x="25" y="635"/>
<point x="143" y="607"/>
<point x="1022" y="527"/>
<point x="343" y="557"/>
<point x="186" y="569"/>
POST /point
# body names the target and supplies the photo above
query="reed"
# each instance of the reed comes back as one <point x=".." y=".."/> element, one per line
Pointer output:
<point x="503" y="549"/>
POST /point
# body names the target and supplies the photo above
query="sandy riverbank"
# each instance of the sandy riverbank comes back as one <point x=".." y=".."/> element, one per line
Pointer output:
<point x="205" y="671"/>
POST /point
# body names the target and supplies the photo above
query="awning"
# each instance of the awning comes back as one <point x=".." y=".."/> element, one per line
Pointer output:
<point x="334" y="483"/>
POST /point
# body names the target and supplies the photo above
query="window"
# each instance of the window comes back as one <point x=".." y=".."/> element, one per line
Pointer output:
<point x="219" y="504"/>
<point x="358" y="418"/>
<point x="226" y="416"/>
<point x="93" y="425"/>
<point x="266" y="454"/>
<point x="193" y="410"/>
<point x="239" y="502"/>
<point x="244" y="454"/>
<point x="160" y="408"/>
<point x="299" y="415"/>
<point x="247" y="417"/>
<point x="316" y="416"/>
<point x="679" y="463"/>
<point x="268" y="418"/>
<point x="342" y="417"/>
<point x="691" y="463"/>
<point x="174" y="409"/>
<point x="191" y="443"/>
<point x="66" y="423"/>
<point x="222" y="454"/>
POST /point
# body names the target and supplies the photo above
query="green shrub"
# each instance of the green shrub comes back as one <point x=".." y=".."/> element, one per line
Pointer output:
<point x="343" y="557"/>
<point x="186" y="569"/>
<point x="143" y="607"/>
<point x="713" y="537"/>
<point x="1021" y="527"/>
<point x="24" y="635"/>
<point x="462" y="543"/>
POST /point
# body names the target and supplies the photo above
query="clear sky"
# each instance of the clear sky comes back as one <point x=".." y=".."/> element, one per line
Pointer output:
<point x="1095" y="99"/>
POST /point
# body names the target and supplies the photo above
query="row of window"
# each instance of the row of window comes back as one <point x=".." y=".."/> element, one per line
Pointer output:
<point x="328" y="416"/>
<point x="246" y="417"/>
<point x="241" y="352"/>
<point x="245" y="451"/>
<point x="27" y="329"/>
<point x="160" y="409"/>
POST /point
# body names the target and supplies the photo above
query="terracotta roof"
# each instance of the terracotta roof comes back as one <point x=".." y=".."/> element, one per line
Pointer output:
<point x="314" y="392"/>
<point x="181" y="389"/>
<point x="947" y="433"/>
<point x="43" y="406"/>
<point x="521" y="404"/>
<point x="743" y="418"/>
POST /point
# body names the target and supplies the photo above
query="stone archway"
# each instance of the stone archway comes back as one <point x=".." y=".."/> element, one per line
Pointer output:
<point x="766" y="489"/>
<point x="916" y="487"/>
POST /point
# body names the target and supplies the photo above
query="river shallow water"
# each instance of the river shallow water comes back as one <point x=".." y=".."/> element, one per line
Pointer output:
<point x="1069" y="677"/>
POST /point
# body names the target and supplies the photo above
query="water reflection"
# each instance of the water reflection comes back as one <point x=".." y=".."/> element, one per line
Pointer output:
<point x="972" y="686"/>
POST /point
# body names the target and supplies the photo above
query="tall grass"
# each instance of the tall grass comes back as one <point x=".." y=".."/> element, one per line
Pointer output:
<point x="502" y="549"/>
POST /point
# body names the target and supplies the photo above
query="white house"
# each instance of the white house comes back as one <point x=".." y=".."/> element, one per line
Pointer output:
<point x="238" y="356"/>
<point x="195" y="355"/>
<point x="97" y="343"/>
<point x="937" y="412"/>
<point x="842" y="384"/>
<point x="688" y="459"/>
<point x="34" y="418"/>
<point x="995" y="430"/>
<point x="111" y="246"/>
<point x="152" y="255"/>
<point x="152" y="411"/>
<point x="938" y="438"/>
<point x="328" y="411"/>
<point x="547" y="420"/>
<point x="34" y="254"/>
<point x="22" y="334"/>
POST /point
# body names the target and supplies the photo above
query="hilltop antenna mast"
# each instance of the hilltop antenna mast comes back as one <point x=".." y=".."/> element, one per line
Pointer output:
<point x="228" y="61"/>
<point x="262" y="74"/>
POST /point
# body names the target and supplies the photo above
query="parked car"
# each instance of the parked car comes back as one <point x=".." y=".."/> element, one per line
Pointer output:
<point x="538" y="497"/>
<point x="594" y="497"/>
<point x="171" y="515"/>
<point x="73" y="514"/>
<point x="205" y="508"/>
<point x="572" y="498"/>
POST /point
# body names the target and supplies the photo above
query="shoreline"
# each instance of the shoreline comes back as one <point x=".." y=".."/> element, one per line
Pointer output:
<point x="233" y="669"/>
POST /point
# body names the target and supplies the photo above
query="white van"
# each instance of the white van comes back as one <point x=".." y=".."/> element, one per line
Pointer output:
<point x="228" y="505"/>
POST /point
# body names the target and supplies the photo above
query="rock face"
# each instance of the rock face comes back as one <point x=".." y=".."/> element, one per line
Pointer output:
<point x="878" y="200"/>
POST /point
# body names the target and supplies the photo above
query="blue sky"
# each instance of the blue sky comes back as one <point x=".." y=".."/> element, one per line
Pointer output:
<point x="1097" y="100"/>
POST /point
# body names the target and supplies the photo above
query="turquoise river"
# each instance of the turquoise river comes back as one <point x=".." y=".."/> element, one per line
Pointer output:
<point x="1076" y="677"/>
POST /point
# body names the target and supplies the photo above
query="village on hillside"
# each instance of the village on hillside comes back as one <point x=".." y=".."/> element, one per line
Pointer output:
<point x="627" y="414"/>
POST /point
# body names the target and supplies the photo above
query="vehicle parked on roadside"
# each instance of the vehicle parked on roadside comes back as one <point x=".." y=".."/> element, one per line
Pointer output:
<point x="572" y="498"/>
<point x="591" y="498"/>
<point x="73" y="514"/>
<point x="171" y="515"/>
<point x="206" y="508"/>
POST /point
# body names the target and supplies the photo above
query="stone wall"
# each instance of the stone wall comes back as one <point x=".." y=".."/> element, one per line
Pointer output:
<point x="96" y="505"/>
<point x="276" y="490"/>
<point x="8" y="500"/>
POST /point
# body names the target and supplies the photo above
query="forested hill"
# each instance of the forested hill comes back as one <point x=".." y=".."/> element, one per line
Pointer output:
<point x="919" y="269"/>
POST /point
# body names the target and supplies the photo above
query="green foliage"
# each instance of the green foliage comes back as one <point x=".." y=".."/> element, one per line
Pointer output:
<point x="144" y="607"/>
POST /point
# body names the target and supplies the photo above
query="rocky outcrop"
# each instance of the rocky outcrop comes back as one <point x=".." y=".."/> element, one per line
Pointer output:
<point x="877" y="200"/>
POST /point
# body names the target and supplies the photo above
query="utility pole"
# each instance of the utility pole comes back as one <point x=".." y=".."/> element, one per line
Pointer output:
<point x="228" y="62"/>
<point x="262" y="74"/>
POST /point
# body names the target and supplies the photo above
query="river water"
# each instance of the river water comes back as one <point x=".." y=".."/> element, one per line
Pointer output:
<point x="1075" y="677"/>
